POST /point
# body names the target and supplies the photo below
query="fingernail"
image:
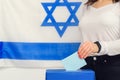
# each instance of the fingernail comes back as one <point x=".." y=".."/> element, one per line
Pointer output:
<point x="81" y="57"/>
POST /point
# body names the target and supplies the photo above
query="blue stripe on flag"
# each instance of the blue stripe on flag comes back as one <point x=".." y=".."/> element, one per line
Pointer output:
<point x="36" y="51"/>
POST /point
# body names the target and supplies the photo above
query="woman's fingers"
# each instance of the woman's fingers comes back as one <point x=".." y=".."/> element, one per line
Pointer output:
<point x="82" y="50"/>
<point x="87" y="52"/>
<point x="85" y="49"/>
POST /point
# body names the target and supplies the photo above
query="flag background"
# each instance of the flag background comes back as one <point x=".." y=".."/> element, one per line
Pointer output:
<point x="27" y="48"/>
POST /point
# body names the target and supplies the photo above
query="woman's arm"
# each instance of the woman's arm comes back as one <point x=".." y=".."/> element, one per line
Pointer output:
<point x="107" y="47"/>
<point x="110" y="47"/>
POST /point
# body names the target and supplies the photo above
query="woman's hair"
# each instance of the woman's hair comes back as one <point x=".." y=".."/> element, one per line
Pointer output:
<point x="90" y="2"/>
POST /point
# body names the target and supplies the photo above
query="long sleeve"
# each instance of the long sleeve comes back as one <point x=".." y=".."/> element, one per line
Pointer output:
<point x="111" y="47"/>
<point x="103" y="25"/>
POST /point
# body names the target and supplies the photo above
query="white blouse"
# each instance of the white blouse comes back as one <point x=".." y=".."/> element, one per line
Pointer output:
<point x="103" y="25"/>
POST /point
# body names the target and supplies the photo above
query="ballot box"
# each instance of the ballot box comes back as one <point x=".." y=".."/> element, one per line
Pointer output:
<point x="61" y="74"/>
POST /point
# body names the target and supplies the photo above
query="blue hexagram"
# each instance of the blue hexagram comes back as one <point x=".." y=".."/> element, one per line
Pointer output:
<point x="57" y="25"/>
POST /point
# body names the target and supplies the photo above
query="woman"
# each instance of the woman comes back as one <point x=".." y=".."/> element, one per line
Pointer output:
<point x="100" y="31"/>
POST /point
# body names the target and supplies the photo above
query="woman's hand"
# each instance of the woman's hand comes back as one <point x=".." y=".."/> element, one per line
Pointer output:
<point x="87" y="48"/>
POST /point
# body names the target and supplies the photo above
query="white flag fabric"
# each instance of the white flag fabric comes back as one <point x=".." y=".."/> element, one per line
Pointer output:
<point x="38" y="33"/>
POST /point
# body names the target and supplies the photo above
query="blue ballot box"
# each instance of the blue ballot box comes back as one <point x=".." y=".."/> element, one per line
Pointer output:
<point x="61" y="74"/>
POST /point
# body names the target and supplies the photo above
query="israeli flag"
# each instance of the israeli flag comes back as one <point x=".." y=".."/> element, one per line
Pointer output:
<point x="38" y="33"/>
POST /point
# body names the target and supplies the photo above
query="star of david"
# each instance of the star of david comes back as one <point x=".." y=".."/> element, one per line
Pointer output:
<point x="50" y="20"/>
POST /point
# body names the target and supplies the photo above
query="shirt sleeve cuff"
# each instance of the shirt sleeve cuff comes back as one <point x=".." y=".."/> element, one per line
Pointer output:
<point x="104" y="49"/>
